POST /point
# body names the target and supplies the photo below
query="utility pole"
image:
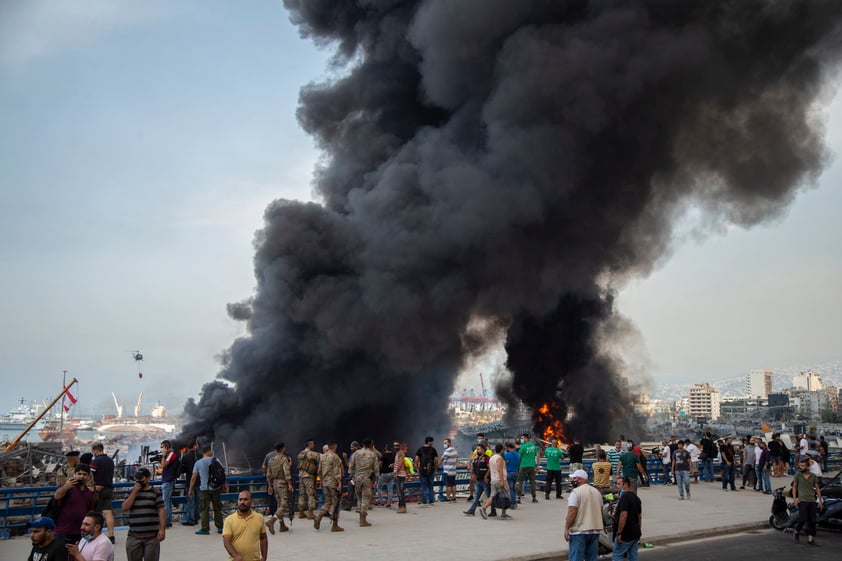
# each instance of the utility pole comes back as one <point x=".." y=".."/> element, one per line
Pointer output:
<point x="61" y="411"/>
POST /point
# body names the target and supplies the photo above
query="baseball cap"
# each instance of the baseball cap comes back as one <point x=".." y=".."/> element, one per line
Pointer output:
<point x="43" y="522"/>
<point x="579" y="474"/>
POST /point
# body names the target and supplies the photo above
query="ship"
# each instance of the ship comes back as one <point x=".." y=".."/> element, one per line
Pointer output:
<point x="157" y="423"/>
<point x="53" y="431"/>
<point x="21" y="416"/>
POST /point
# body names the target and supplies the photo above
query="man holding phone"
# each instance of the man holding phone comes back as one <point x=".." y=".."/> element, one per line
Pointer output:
<point x="147" y="519"/>
<point x="76" y="499"/>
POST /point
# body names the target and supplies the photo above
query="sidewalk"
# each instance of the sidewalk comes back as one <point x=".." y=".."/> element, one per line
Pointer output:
<point x="441" y="531"/>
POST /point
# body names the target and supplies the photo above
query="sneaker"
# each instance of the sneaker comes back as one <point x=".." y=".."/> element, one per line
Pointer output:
<point x="742" y="486"/>
<point x="202" y="532"/>
<point x="483" y="513"/>
<point x="468" y="513"/>
<point x="469" y="499"/>
<point x="534" y="500"/>
<point x="219" y="530"/>
<point x="680" y="498"/>
<point x="492" y="514"/>
<point x="505" y="517"/>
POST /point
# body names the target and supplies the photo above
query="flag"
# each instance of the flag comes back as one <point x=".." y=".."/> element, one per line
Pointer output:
<point x="70" y="397"/>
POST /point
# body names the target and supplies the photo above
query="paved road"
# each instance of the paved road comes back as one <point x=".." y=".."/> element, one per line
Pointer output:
<point x="755" y="545"/>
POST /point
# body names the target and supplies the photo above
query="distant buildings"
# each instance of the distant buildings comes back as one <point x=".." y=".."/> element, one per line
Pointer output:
<point x="809" y="381"/>
<point x="759" y="383"/>
<point x="703" y="402"/>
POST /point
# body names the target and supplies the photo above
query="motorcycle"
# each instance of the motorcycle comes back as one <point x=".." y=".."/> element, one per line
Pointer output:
<point x="785" y="514"/>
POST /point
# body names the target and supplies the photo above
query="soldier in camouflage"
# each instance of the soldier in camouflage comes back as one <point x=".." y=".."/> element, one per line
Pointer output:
<point x="68" y="470"/>
<point x="364" y="465"/>
<point x="330" y="472"/>
<point x="308" y="464"/>
<point x="279" y="483"/>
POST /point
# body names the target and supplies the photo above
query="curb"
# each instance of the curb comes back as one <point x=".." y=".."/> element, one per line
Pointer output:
<point x="660" y="540"/>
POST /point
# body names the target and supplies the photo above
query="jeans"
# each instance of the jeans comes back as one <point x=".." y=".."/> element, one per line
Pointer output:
<point x="480" y="487"/>
<point x="728" y="475"/>
<point x="190" y="513"/>
<point x="583" y="547"/>
<point x="167" y="487"/>
<point x="144" y="547"/>
<point x="401" y="493"/>
<point x="707" y="470"/>
<point x="426" y="489"/>
<point x="625" y="548"/>
<point x="682" y="479"/>
<point x="387" y="480"/>
<point x="512" y="479"/>
<point x="764" y="484"/>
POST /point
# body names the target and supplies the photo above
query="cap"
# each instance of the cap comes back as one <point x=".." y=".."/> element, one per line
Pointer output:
<point x="143" y="472"/>
<point x="355" y="443"/>
<point x="73" y="454"/>
<point x="579" y="474"/>
<point x="43" y="522"/>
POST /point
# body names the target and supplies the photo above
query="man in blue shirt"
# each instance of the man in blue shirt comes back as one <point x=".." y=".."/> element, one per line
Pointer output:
<point x="207" y="494"/>
<point x="512" y="467"/>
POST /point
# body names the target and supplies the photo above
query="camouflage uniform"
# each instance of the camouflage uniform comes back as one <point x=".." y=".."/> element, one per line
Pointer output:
<point x="307" y="480"/>
<point x="279" y="473"/>
<point x="330" y="472"/>
<point x="363" y="465"/>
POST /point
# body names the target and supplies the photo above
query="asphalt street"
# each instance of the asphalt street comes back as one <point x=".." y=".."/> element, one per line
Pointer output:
<point x="754" y="545"/>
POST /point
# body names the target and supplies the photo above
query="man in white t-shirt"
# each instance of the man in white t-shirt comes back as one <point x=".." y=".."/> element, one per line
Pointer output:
<point x="803" y="447"/>
<point x="583" y="523"/>
<point x="694" y="459"/>
<point x="666" y="460"/>
<point x="499" y="482"/>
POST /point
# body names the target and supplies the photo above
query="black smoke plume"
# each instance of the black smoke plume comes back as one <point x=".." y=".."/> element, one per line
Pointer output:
<point x="512" y="164"/>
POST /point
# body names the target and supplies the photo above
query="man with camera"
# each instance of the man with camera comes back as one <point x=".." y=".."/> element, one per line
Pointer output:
<point x="76" y="499"/>
<point x="147" y="523"/>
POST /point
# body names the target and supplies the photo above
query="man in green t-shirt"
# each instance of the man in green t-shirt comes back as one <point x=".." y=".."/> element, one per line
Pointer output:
<point x="629" y="467"/>
<point x="528" y="459"/>
<point x="554" y="456"/>
<point x="807" y="496"/>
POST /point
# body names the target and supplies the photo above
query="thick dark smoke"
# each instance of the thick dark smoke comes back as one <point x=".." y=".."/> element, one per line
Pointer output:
<point x="506" y="163"/>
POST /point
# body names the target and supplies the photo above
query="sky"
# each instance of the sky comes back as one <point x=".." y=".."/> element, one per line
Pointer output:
<point x="142" y="141"/>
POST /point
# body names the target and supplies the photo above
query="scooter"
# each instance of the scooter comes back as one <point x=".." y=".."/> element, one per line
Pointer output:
<point x="609" y="509"/>
<point x="785" y="514"/>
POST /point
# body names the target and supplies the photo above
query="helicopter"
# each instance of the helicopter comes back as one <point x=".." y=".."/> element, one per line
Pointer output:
<point x="138" y="358"/>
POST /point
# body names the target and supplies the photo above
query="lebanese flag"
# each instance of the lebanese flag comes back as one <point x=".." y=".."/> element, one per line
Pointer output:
<point x="70" y="398"/>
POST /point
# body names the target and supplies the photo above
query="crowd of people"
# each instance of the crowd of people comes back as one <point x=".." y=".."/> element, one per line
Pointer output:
<point x="502" y="475"/>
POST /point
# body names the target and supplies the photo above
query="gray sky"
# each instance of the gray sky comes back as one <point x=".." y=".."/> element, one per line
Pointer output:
<point x="141" y="142"/>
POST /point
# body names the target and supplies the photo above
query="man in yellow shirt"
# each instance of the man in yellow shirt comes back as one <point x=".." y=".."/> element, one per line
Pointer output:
<point x="244" y="534"/>
<point x="602" y="472"/>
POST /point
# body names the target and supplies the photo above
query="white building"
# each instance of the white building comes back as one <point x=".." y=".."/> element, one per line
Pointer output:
<point x="809" y="381"/>
<point x="759" y="383"/>
<point x="704" y="402"/>
<point x="809" y="404"/>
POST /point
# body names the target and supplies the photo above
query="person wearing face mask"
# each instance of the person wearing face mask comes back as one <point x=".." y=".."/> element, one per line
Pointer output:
<point x="147" y="519"/>
<point x="472" y="483"/>
<point x="583" y="523"/>
<point x="807" y="496"/>
<point x="449" y="457"/>
<point x="94" y="546"/>
<point x="528" y="460"/>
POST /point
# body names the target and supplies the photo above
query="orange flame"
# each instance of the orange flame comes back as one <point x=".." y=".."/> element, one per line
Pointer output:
<point x="545" y="422"/>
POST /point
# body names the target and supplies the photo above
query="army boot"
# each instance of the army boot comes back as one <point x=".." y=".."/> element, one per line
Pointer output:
<point x="270" y="524"/>
<point x="335" y="527"/>
<point x="283" y="526"/>
<point x="363" y="521"/>
<point x="318" y="521"/>
<point x="301" y="513"/>
<point x="310" y="515"/>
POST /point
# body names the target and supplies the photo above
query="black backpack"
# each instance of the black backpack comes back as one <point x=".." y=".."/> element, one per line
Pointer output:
<point x="216" y="474"/>
<point x="428" y="460"/>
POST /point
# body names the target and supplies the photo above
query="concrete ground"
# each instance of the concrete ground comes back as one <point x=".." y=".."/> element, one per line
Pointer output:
<point x="441" y="531"/>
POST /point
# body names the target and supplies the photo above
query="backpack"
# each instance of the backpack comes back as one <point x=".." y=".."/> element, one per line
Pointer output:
<point x="216" y="474"/>
<point x="53" y="508"/>
<point x="428" y="461"/>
